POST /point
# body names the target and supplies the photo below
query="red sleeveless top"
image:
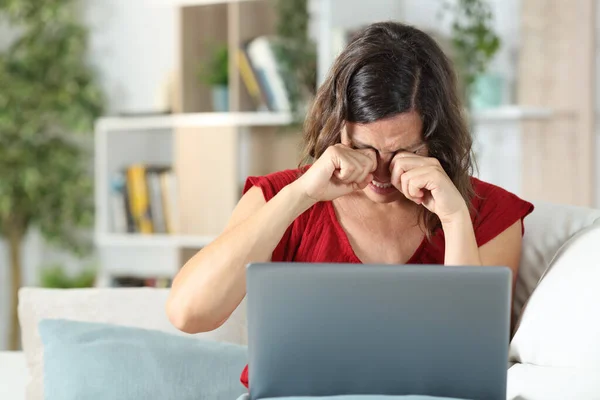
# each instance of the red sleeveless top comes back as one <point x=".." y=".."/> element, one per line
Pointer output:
<point x="317" y="236"/>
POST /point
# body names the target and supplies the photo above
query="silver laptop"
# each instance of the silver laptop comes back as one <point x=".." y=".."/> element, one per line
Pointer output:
<point x="335" y="329"/>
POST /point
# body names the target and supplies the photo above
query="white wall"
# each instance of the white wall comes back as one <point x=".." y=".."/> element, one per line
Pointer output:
<point x="597" y="100"/>
<point x="132" y="45"/>
<point x="424" y="14"/>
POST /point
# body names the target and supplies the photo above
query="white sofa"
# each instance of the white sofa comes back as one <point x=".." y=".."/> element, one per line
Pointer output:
<point x="547" y="230"/>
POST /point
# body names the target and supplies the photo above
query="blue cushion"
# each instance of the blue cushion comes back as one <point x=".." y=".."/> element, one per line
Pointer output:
<point x="357" y="397"/>
<point x="363" y="397"/>
<point x="99" y="361"/>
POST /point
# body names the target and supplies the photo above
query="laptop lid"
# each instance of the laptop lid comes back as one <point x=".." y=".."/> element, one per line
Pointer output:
<point x="333" y="329"/>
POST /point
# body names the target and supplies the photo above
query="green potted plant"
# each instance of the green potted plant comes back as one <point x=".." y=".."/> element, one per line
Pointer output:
<point x="49" y="94"/>
<point x="55" y="276"/>
<point x="475" y="43"/>
<point x="215" y="74"/>
<point x="296" y="54"/>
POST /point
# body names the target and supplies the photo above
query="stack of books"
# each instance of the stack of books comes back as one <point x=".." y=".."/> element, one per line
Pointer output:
<point x="143" y="199"/>
<point x="260" y="72"/>
<point x="133" y="281"/>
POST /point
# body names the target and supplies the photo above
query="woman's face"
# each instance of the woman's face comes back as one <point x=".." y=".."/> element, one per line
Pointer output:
<point x="386" y="138"/>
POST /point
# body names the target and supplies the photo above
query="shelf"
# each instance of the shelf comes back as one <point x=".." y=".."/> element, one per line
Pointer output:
<point x="511" y="113"/>
<point x="187" y="3"/>
<point x="194" y="120"/>
<point x="250" y="118"/>
<point x="156" y="240"/>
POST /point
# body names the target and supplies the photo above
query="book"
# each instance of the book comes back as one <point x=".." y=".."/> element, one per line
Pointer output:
<point x="156" y="199"/>
<point x="266" y="67"/>
<point x="169" y="201"/>
<point x="139" y="203"/>
<point x="250" y="80"/>
<point x="118" y="204"/>
<point x="137" y="281"/>
<point x="144" y="199"/>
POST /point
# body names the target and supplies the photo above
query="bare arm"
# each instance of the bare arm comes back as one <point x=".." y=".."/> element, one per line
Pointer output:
<point x="505" y="249"/>
<point x="212" y="284"/>
<point x="461" y="247"/>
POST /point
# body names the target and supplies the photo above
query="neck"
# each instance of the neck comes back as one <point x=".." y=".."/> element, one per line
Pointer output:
<point x="359" y="201"/>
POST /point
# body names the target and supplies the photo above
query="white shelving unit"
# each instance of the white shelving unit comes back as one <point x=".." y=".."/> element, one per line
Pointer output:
<point x="511" y="113"/>
<point x="154" y="240"/>
<point x="122" y="141"/>
<point x="499" y="137"/>
<point x="211" y="153"/>
<point x="194" y="120"/>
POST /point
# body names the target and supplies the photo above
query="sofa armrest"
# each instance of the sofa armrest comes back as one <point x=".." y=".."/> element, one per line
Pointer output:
<point x="14" y="375"/>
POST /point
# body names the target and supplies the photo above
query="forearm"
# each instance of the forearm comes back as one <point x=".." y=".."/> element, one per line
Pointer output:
<point x="211" y="284"/>
<point x="461" y="245"/>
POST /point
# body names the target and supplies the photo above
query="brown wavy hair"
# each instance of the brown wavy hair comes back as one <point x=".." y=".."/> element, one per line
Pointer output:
<point x="390" y="68"/>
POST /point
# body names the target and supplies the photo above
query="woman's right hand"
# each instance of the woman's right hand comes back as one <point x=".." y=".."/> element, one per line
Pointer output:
<point x="339" y="171"/>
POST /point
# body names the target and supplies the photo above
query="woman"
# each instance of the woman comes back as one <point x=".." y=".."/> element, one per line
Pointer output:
<point x="390" y="183"/>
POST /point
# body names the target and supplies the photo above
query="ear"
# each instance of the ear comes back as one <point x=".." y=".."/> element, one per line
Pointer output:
<point x="345" y="135"/>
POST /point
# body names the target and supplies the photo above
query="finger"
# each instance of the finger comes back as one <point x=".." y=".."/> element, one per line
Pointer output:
<point x="404" y="180"/>
<point x="365" y="175"/>
<point x="412" y="187"/>
<point x="364" y="183"/>
<point x="397" y="170"/>
<point x="344" y="166"/>
<point x="368" y="159"/>
<point x="414" y="183"/>
<point x="350" y="169"/>
<point x="334" y="153"/>
<point x="411" y="160"/>
<point x="363" y="165"/>
<point x="345" y="170"/>
<point x="416" y="193"/>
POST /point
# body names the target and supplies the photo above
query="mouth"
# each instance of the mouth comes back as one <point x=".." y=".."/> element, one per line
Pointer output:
<point x="381" y="185"/>
<point x="382" y="188"/>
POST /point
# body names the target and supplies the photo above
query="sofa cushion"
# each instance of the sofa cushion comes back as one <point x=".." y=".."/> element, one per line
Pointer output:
<point x="559" y="328"/>
<point x="364" y="397"/>
<point x="134" y="307"/>
<point x="547" y="228"/>
<point x="95" y="361"/>
<point x="532" y="382"/>
<point x="13" y="375"/>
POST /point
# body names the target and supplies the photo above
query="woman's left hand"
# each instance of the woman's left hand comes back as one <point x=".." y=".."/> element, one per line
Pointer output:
<point x="424" y="181"/>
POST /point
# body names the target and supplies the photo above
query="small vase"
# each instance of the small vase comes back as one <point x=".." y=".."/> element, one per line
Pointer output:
<point x="220" y="98"/>
<point x="487" y="92"/>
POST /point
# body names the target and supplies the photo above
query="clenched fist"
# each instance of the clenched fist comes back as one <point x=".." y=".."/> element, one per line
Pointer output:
<point x="339" y="171"/>
<point x="424" y="181"/>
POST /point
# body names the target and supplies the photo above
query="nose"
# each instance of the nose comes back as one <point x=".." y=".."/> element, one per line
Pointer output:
<point x="382" y="172"/>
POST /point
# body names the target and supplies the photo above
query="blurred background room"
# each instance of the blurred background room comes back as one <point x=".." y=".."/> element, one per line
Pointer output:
<point x="128" y="127"/>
